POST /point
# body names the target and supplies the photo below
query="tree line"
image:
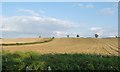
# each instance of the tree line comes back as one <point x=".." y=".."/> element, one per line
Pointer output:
<point x="96" y="36"/>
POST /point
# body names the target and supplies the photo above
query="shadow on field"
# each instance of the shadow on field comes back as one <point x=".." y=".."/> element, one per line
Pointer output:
<point x="33" y="61"/>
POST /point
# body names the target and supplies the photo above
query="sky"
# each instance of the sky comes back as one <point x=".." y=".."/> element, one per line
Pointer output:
<point x="48" y="19"/>
<point x="60" y="0"/>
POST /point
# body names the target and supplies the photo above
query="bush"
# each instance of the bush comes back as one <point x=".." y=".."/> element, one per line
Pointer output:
<point x="96" y="35"/>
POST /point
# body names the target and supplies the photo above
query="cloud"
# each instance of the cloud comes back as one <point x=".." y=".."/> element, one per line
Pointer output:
<point x="111" y="34"/>
<point x="89" y="6"/>
<point x="46" y="26"/>
<point x="60" y="33"/>
<point x="104" y="32"/>
<point x="97" y="30"/>
<point x="31" y="12"/>
<point x="80" y="5"/>
<point x="107" y="11"/>
<point x="41" y="11"/>
<point x="115" y="5"/>
<point x="34" y="24"/>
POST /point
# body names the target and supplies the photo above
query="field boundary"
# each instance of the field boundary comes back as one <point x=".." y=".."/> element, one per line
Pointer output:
<point x="27" y="43"/>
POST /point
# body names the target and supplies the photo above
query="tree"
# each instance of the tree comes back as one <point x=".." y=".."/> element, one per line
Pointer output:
<point x="77" y="35"/>
<point x="39" y="36"/>
<point x="116" y="37"/>
<point x="96" y="35"/>
<point x="53" y="37"/>
<point x="68" y="36"/>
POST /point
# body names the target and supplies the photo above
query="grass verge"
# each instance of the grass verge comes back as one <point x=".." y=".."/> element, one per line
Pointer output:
<point x="18" y="61"/>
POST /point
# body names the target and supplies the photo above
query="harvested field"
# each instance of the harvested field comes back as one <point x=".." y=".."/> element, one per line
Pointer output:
<point x="106" y="46"/>
<point x="22" y="40"/>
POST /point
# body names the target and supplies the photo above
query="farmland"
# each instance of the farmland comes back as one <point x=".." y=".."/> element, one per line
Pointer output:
<point x="106" y="46"/>
<point x="61" y="54"/>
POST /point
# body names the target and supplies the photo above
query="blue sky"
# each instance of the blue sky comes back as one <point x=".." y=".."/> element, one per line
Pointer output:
<point x="30" y="19"/>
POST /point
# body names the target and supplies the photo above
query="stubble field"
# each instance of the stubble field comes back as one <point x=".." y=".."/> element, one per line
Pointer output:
<point x="66" y="54"/>
<point x="106" y="46"/>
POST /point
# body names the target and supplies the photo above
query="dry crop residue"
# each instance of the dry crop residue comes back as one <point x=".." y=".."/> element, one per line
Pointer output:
<point x="106" y="46"/>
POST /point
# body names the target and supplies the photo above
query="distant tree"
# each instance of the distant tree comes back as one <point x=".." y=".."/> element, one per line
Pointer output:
<point x="116" y="37"/>
<point x="67" y="36"/>
<point x="96" y="35"/>
<point x="53" y="37"/>
<point x="77" y="35"/>
<point x="39" y="36"/>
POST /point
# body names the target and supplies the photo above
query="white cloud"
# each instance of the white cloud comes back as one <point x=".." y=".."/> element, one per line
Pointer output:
<point x="86" y="6"/>
<point x="80" y="5"/>
<point x="107" y="11"/>
<point x="31" y="12"/>
<point x="112" y="34"/>
<point x="36" y="25"/>
<point x="97" y="30"/>
<point x="115" y="5"/>
<point x="59" y="33"/>
<point x="90" y="6"/>
<point x="109" y="33"/>
<point x="41" y="11"/>
<point x="104" y="32"/>
<point x="0" y="21"/>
